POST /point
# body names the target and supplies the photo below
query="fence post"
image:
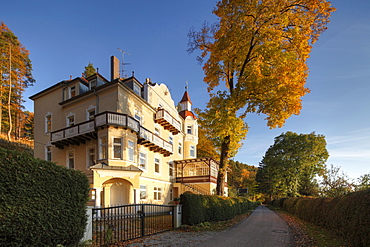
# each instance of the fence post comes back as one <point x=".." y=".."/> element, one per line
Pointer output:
<point x="89" y="225"/>
<point x="177" y="216"/>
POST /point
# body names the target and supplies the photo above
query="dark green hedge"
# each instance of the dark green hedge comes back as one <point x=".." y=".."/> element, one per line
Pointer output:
<point x="41" y="204"/>
<point x="347" y="216"/>
<point x="200" y="208"/>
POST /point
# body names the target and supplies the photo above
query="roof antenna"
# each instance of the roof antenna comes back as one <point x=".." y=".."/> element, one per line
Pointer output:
<point x="123" y="54"/>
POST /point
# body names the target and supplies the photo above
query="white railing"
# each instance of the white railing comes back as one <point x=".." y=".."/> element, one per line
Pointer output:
<point x="163" y="114"/>
<point x="108" y="118"/>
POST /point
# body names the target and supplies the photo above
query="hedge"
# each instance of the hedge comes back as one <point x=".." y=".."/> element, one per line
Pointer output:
<point x="41" y="204"/>
<point x="200" y="208"/>
<point x="346" y="216"/>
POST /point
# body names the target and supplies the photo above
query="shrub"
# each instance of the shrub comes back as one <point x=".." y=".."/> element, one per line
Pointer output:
<point x="200" y="208"/>
<point x="42" y="204"/>
<point x="347" y="216"/>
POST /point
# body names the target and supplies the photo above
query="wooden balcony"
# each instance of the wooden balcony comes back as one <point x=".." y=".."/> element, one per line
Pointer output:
<point x="80" y="133"/>
<point x="196" y="170"/>
<point x="168" y="122"/>
<point x="74" y="135"/>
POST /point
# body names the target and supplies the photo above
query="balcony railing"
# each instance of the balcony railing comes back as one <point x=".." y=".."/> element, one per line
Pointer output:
<point x="165" y="119"/>
<point x="80" y="132"/>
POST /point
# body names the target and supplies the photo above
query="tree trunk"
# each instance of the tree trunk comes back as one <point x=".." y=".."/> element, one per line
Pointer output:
<point x="225" y="147"/>
<point x="10" y="95"/>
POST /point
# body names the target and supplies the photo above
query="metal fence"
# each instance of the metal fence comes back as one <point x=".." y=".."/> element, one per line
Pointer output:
<point x="115" y="224"/>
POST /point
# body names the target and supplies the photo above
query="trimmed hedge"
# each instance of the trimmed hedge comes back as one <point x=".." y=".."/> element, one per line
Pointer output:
<point x="200" y="208"/>
<point x="346" y="216"/>
<point x="41" y="204"/>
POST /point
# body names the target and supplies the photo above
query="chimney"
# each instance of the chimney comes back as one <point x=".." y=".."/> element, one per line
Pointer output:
<point x="114" y="68"/>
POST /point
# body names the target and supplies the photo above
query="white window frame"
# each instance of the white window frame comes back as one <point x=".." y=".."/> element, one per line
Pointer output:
<point x="48" y="153"/>
<point x="119" y="147"/>
<point x="143" y="157"/>
<point x="179" y="148"/>
<point x="48" y="122"/>
<point x="137" y="89"/>
<point x="170" y="138"/>
<point x="71" y="154"/>
<point x="189" y="129"/>
<point x="72" y="91"/>
<point x="143" y="192"/>
<point x="192" y="151"/>
<point x="91" y="109"/>
<point x="157" y="193"/>
<point x="171" y="169"/>
<point x="68" y="119"/>
<point x="90" y="155"/>
<point x="157" y="163"/>
<point x="130" y="150"/>
<point x="103" y="148"/>
<point x="138" y="116"/>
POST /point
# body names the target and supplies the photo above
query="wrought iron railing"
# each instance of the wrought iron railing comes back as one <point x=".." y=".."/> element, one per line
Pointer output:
<point x="121" y="223"/>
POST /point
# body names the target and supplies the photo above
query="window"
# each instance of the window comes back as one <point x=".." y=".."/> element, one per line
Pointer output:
<point x="156" y="165"/>
<point x="142" y="192"/>
<point x="72" y="91"/>
<point x="130" y="150"/>
<point x="142" y="161"/>
<point x="117" y="148"/>
<point x="71" y="159"/>
<point x="180" y="148"/>
<point x="90" y="156"/>
<point x="156" y="131"/>
<point x="70" y="120"/>
<point x="170" y="167"/>
<point x="48" y="153"/>
<point x="48" y="123"/>
<point x="103" y="147"/>
<point x="137" y="89"/>
<point x="92" y="84"/>
<point x="157" y="193"/>
<point x="170" y="139"/>
<point x="90" y="113"/>
<point x="192" y="151"/>
<point x="189" y="129"/>
<point x="138" y="116"/>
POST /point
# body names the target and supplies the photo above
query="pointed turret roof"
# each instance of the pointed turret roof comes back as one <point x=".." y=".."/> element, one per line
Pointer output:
<point x="186" y="98"/>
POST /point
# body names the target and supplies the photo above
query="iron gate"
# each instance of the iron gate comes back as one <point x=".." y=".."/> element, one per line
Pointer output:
<point x="121" y="223"/>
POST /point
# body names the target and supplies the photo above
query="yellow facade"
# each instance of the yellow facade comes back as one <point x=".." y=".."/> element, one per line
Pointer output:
<point x="123" y="134"/>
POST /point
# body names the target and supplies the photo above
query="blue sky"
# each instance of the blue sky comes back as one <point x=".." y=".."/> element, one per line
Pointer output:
<point x="64" y="36"/>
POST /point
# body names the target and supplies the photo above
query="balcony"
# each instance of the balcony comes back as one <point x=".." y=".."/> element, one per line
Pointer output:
<point x="165" y="119"/>
<point x="80" y="133"/>
<point x="74" y="135"/>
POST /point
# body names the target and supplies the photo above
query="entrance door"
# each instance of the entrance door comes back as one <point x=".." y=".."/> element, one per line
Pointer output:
<point x="119" y="194"/>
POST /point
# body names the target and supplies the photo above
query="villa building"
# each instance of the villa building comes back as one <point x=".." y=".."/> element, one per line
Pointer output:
<point x="130" y="140"/>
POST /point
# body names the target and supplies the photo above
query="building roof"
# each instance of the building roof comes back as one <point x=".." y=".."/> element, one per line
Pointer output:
<point x="186" y="98"/>
<point x="186" y="113"/>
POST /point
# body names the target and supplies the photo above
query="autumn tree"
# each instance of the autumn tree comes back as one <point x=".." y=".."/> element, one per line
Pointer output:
<point x="259" y="48"/>
<point x="242" y="176"/>
<point x="15" y="76"/>
<point x="291" y="164"/>
<point x="363" y="182"/>
<point x="89" y="70"/>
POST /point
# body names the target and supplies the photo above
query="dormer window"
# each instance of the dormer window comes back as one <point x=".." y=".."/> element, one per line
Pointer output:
<point x="93" y="84"/>
<point x="72" y="91"/>
<point x="137" y="89"/>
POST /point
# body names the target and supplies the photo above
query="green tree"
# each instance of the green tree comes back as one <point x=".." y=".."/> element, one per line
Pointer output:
<point x="335" y="183"/>
<point x="15" y="76"/>
<point x="291" y="164"/>
<point x="259" y="48"/>
<point x="363" y="182"/>
<point x="89" y="70"/>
